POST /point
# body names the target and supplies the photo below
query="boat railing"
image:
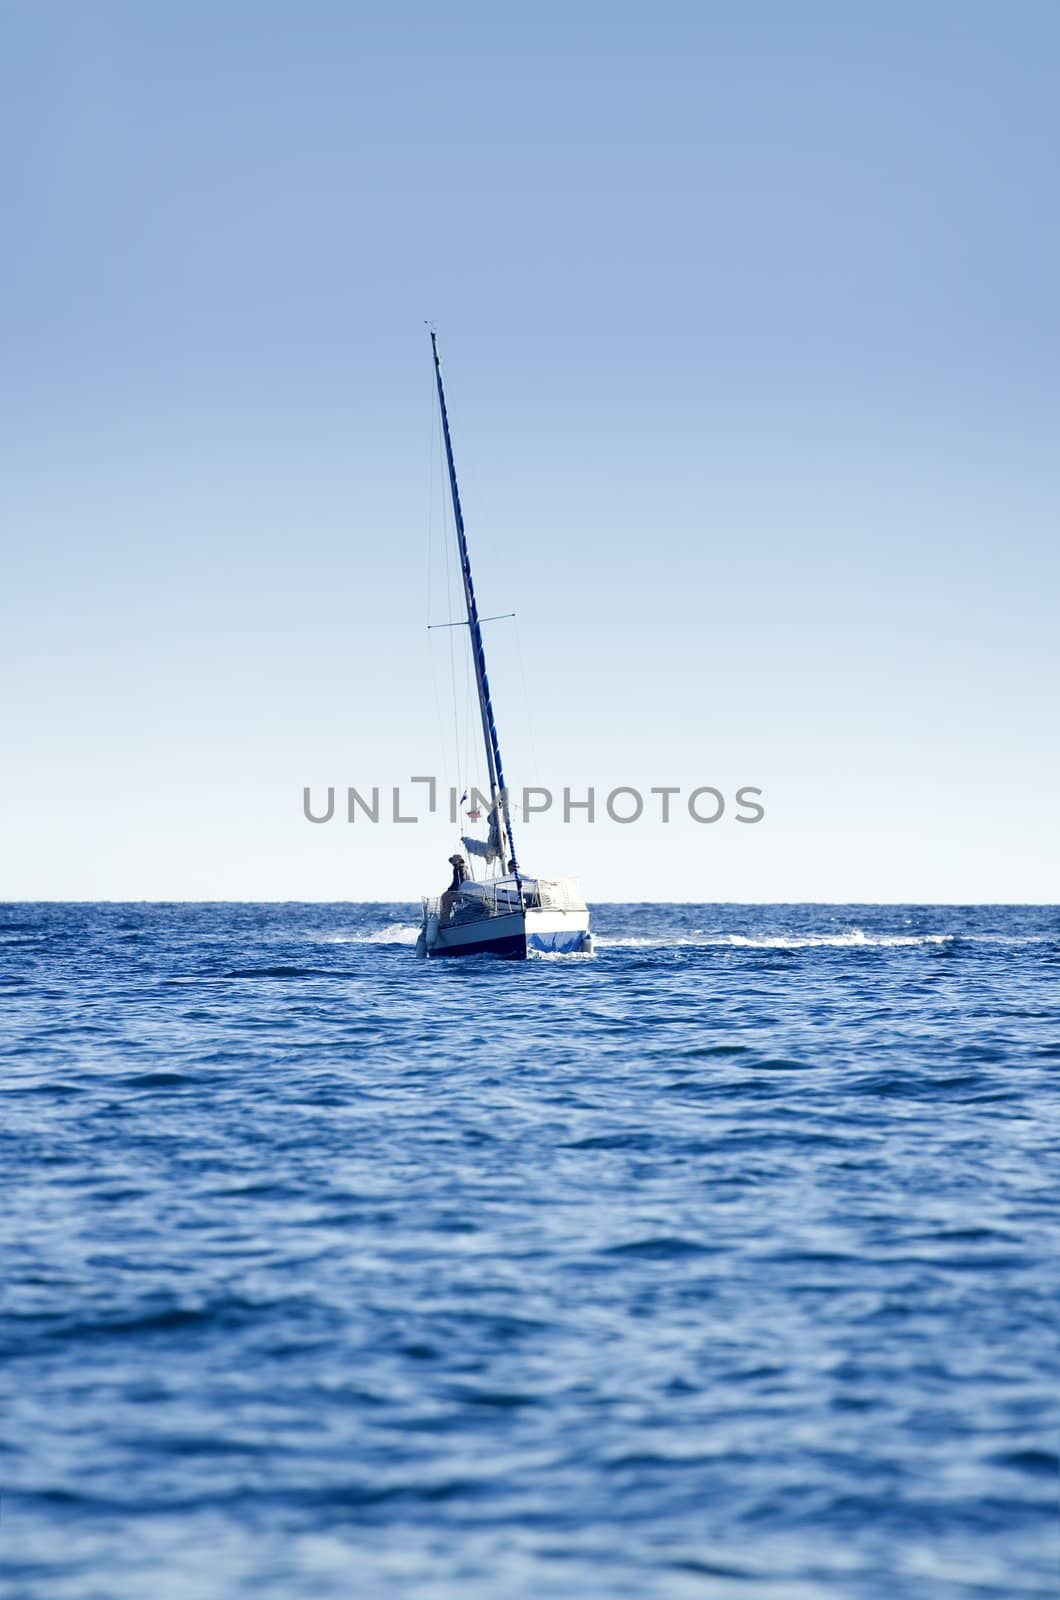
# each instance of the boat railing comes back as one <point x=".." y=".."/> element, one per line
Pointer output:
<point x="560" y="894"/>
<point x="482" y="902"/>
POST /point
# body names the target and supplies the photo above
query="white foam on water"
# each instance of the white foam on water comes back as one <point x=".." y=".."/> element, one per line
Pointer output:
<point x="393" y="933"/>
<point x="562" y="956"/>
<point x="402" y="933"/>
<point x="837" y="941"/>
<point x="855" y="939"/>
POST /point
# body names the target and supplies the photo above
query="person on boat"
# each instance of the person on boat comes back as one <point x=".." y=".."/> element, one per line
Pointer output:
<point x="449" y="898"/>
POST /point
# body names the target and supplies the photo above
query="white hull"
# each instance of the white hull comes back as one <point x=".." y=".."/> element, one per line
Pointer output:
<point x="516" y="934"/>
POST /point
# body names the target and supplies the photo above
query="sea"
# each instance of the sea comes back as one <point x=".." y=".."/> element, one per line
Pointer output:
<point x="721" y="1263"/>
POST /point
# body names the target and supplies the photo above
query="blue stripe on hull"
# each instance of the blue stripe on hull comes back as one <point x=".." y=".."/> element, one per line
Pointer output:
<point x="558" y="944"/>
<point x="512" y="948"/>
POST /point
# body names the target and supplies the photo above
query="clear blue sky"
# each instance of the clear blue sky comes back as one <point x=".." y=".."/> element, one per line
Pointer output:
<point x="749" y="316"/>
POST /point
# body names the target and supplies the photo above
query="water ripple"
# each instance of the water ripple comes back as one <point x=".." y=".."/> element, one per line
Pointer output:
<point x="721" y="1263"/>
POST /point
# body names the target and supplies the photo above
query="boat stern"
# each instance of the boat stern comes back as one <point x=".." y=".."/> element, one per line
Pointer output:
<point x="511" y="919"/>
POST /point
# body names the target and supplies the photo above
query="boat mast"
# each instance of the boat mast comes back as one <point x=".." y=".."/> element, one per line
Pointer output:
<point x="498" y="791"/>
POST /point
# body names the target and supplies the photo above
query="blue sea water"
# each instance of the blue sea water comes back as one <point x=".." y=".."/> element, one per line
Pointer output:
<point x="721" y="1264"/>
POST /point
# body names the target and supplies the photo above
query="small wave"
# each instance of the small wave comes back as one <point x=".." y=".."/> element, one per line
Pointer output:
<point x="278" y="972"/>
<point x="393" y="933"/>
<point x="660" y="1247"/>
<point x="153" y="1080"/>
<point x="629" y="1140"/>
<point x="1035" y="1462"/>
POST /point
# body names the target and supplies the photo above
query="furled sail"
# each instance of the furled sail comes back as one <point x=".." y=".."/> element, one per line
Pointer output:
<point x="490" y="849"/>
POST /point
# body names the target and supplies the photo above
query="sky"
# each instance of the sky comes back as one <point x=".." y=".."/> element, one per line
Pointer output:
<point x="749" y="323"/>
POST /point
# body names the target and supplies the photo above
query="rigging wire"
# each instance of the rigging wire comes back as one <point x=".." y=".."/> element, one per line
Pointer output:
<point x="450" y="554"/>
<point x="433" y="429"/>
<point x="434" y="439"/>
<point x="468" y="717"/>
<point x="527" y="712"/>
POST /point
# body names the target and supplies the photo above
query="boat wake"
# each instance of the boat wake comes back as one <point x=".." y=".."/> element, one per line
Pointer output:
<point x="855" y="939"/>
<point x="403" y="933"/>
<point x="838" y="941"/>
<point x="393" y="933"/>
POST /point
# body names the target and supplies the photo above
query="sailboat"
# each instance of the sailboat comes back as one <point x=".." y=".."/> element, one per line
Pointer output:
<point x="505" y="912"/>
